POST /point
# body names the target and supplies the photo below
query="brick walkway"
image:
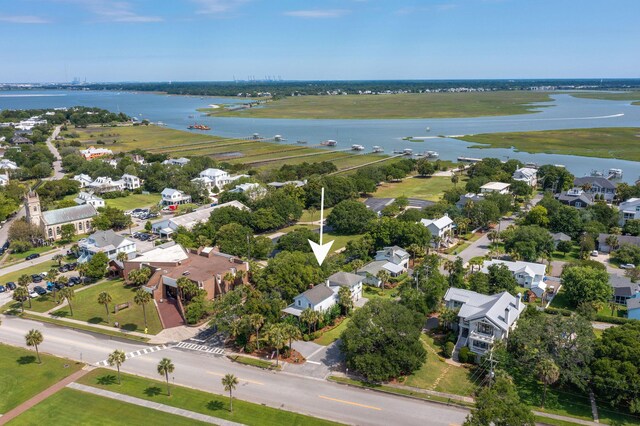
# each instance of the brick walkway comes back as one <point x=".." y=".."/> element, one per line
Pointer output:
<point x="169" y="314"/>
<point x="153" y="405"/>
<point x="43" y="395"/>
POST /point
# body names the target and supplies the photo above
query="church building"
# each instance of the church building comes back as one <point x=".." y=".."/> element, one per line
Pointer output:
<point x="51" y="221"/>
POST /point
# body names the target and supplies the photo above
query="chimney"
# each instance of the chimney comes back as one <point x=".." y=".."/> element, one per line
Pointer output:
<point x="310" y="286"/>
<point x="327" y="283"/>
<point x="519" y="302"/>
<point x="506" y="315"/>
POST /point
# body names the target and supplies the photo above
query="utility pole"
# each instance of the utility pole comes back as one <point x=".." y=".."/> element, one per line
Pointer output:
<point x="491" y="367"/>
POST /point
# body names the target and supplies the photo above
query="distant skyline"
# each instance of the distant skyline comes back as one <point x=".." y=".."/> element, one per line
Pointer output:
<point x="219" y="40"/>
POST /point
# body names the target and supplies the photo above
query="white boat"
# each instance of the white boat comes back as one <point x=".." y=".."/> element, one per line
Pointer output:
<point x="356" y="147"/>
<point x="329" y="142"/>
<point x="431" y="154"/>
<point x="428" y="129"/>
<point x="378" y="149"/>
<point x="406" y="151"/>
<point x="277" y="138"/>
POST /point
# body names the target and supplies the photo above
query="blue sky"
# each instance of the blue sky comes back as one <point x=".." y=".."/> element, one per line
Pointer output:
<point x="152" y="40"/>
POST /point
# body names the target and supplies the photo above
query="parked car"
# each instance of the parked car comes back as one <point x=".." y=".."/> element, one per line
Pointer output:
<point x="594" y="253"/>
<point x="40" y="290"/>
<point x="74" y="280"/>
<point x="5" y="245"/>
<point x="36" y="279"/>
<point x="71" y="266"/>
<point x="628" y="266"/>
<point x="50" y="286"/>
<point x="33" y="294"/>
<point x="32" y="256"/>
<point x="2" y="289"/>
<point x="58" y="286"/>
<point x="63" y="269"/>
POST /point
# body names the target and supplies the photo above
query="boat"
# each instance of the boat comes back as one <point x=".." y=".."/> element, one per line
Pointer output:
<point x="431" y="154"/>
<point x="406" y="151"/>
<point x="198" y="127"/>
<point x="277" y="138"/>
<point x="596" y="173"/>
<point x="428" y="129"/>
<point x="301" y="142"/>
<point x="615" y="174"/>
<point x="377" y="149"/>
<point x="356" y="147"/>
<point x="329" y="142"/>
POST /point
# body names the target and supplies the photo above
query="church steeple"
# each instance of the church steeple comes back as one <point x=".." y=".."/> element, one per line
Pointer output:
<point x="32" y="208"/>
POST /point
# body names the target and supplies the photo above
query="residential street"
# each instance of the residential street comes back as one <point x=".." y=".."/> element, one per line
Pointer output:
<point x="480" y="247"/>
<point x="203" y="371"/>
<point x="57" y="164"/>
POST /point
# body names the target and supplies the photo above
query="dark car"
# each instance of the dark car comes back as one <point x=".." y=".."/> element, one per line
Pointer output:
<point x="32" y="256"/>
<point x="37" y="279"/>
<point x="11" y="285"/>
<point x="75" y="280"/>
<point x="58" y="286"/>
<point x="2" y="289"/>
<point x="63" y="268"/>
<point x="71" y="266"/>
<point x="5" y="245"/>
<point x="40" y="290"/>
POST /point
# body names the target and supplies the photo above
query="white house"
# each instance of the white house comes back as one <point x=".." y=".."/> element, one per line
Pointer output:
<point x="106" y="184"/>
<point x="176" y="161"/>
<point x="165" y="228"/>
<point x="214" y="177"/>
<point x="483" y="320"/>
<point x="131" y="182"/>
<point x="526" y="174"/>
<point x="495" y="187"/>
<point x="85" y="180"/>
<point x="252" y="190"/>
<point x="346" y="279"/>
<point x="629" y="209"/>
<point x="4" y="180"/>
<point x="394" y="260"/>
<point x="319" y="298"/>
<point x="528" y="274"/>
<point x="172" y="197"/>
<point x="107" y="242"/>
<point x="91" y="153"/>
<point x="440" y="227"/>
<point x="88" y="198"/>
<point x="8" y="165"/>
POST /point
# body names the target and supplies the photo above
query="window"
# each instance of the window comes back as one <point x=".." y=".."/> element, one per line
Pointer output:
<point x="80" y="226"/>
<point x="309" y="305"/>
<point x="485" y="328"/>
<point x="480" y="345"/>
<point x="578" y="204"/>
<point x="299" y="303"/>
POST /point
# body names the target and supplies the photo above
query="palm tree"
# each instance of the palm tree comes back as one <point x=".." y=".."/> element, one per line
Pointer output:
<point x="186" y="288"/>
<point x="34" y="338"/>
<point x="117" y="358"/>
<point x="292" y="332"/>
<point x="454" y="180"/>
<point x="357" y="264"/>
<point x="62" y="280"/>
<point x="383" y="276"/>
<point x="317" y="316"/>
<point x="229" y="381"/>
<point x="256" y="321"/>
<point x="68" y="294"/>
<point x="165" y="366"/>
<point x="548" y="373"/>
<point x="58" y="258"/>
<point x="142" y="297"/>
<point x="449" y="317"/>
<point x="612" y="241"/>
<point x="24" y="280"/>
<point x="104" y="298"/>
<point x="228" y="278"/>
<point x="20" y="294"/>
<point x="307" y="317"/>
<point x="276" y="338"/>
<point x="240" y="274"/>
<point x="52" y="274"/>
<point x="122" y="256"/>
<point x="345" y="299"/>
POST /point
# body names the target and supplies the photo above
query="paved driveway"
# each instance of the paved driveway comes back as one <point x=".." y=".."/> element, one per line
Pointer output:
<point x="321" y="360"/>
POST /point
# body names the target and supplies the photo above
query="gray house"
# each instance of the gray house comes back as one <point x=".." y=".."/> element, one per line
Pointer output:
<point x="623" y="288"/>
<point x="622" y="240"/>
<point x="596" y="185"/>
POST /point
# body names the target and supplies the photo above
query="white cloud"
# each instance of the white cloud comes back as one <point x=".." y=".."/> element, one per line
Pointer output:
<point x="212" y="7"/>
<point x="318" y="13"/>
<point x="114" y="11"/>
<point x="23" y="19"/>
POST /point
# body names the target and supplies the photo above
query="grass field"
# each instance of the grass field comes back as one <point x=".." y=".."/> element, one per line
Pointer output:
<point x="21" y="377"/>
<point x="35" y="269"/>
<point x="413" y="105"/>
<point x="438" y="375"/>
<point x="133" y="201"/>
<point x="608" y="142"/>
<point x="332" y="335"/>
<point x="72" y="407"/>
<point x="86" y="308"/>
<point x="430" y="188"/>
<point x="609" y="96"/>
<point x="198" y="401"/>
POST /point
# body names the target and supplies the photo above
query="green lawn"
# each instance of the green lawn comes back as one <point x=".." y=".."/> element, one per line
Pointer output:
<point x="378" y="293"/>
<point x="339" y="240"/>
<point x="452" y="379"/>
<point x="36" y="269"/>
<point x="86" y="308"/>
<point x="21" y="256"/>
<point x="412" y="105"/>
<point x="430" y="188"/>
<point x="72" y="407"/>
<point x="308" y="216"/>
<point x="254" y="362"/>
<point x="195" y="400"/>
<point x="608" y="142"/>
<point x="561" y="301"/>
<point x="21" y="377"/>
<point x="574" y="254"/>
<point x="133" y="201"/>
<point x="332" y="335"/>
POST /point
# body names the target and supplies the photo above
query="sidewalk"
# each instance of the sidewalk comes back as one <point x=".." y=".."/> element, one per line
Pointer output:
<point x="152" y="405"/>
<point x="43" y="395"/>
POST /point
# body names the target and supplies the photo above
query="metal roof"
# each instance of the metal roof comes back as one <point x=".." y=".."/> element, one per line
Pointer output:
<point x="69" y="214"/>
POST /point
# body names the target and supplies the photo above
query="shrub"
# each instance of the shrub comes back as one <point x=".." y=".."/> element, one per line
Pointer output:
<point x="448" y="349"/>
<point x="305" y="337"/>
<point x="250" y="347"/>
<point x="612" y="320"/>
<point x="466" y="356"/>
<point x="558" y="311"/>
<point x="19" y="246"/>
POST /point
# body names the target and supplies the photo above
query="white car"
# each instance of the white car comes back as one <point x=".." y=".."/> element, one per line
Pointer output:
<point x="628" y="266"/>
<point x="594" y="253"/>
<point x="33" y="294"/>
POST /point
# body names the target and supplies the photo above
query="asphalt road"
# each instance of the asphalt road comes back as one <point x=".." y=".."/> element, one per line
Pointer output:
<point x="204" y="371"/>
<point x="480" y="247"/>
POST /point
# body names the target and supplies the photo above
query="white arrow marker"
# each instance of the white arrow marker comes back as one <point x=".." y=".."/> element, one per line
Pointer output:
<point x="321" y="250"/>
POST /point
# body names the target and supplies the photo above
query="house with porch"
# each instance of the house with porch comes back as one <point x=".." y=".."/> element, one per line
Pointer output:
<point x="597" y="185"/>
<point x="527" y="175"/>
<point x="90" y="199"/>
<point x="629" y="209"/>
<point x="107" y="242"/>
<point x="495" y="187"/>
<point x="324" y="296"/>
<point x="482" y="320"/>
<point x="623" y="289"/>
<point x="440" y="229"/>
<point x="394" y="260"/>
<point x="576" y="197"/>
<point x="176" y="161"/>
<point x="528" y="274"/>
<point x="174" y="197"/>
<point x="85" y="180"/>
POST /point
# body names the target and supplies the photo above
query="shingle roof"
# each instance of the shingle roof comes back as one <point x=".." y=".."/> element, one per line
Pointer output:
<point x="106" y="238"/>
<point x="476" y="305"/>
<point x="600" y="181"/>
<point x="318" y="294"/>
<point x="633" y="303"/>
<point x="622" y="286"/>
<point x="345" y="279"/>
<point x="622" y="239"/>
<point x="69" y="214"/>
<point x="439" y="223"/>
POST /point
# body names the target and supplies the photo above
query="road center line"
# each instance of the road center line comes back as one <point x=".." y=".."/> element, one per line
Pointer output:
<point x="239" y="379"/>
<point x="350" y="403"/>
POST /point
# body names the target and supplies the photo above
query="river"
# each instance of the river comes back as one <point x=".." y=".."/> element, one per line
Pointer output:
<point x="564" y="112"/>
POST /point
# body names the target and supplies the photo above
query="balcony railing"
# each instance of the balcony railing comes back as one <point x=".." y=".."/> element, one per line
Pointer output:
<point x="481" y="337"/>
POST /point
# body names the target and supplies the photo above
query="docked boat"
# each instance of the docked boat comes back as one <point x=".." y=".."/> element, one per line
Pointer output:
<point x="377" y="149"/>
<point x="301" y="142"/>
<point x="356" y="147"/>
<point x="428" y="129"/>
<point x="199" y="127"/>
<point x="431" y="154"/>
<point x="277" y="138"/>
<point x="406" y="151"/>
<point x="596" y="173"/>
<point x="329" y="142"/>
<point x="615" y="174"/>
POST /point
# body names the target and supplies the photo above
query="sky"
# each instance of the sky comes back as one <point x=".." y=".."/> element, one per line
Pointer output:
<point x="219" y="40"/>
